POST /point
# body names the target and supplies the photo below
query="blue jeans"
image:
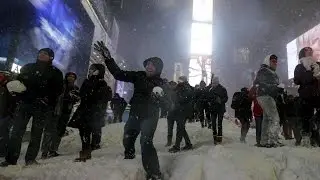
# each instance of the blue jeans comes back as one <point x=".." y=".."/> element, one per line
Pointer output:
<point x="147" y="128"/>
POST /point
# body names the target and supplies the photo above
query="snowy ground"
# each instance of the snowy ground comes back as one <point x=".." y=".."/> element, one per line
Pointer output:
<point x="230" y="161"/>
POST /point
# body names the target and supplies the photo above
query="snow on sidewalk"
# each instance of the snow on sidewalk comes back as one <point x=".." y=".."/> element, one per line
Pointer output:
<point x="232" y="160"/>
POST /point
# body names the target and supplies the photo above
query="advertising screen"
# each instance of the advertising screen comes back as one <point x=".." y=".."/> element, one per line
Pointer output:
<point x="311" y="39"/>
<point x="53" y="24"/>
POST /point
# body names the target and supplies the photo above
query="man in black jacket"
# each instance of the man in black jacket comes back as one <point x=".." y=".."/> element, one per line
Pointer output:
<point x="52" y="136"/>
<point x="202" y="105"/>
<point x="144" y="112"/>
<point x="42" y="84"/>
<point x="217" y="96"/>
<point x="7" y="106"/>
<point x="241" y="103"/>
<point x="183" y="105"/>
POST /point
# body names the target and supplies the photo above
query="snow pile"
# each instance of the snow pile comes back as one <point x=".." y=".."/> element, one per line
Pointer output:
<point x="231" y="160"/>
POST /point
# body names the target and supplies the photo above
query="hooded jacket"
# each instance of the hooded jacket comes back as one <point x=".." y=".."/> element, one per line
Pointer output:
<point x="267" y="80"/>
<point x="142" y="102"/>
<point x="95" y="95"/>
<point x="217" y="98"/>
<point x="304" y="77"/>
<point x="43" y="82"/>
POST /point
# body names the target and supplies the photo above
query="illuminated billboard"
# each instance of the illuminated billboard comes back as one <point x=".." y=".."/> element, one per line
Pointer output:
<point x="199" y="69"/>
<point x="309" y="39"/>
<point x="201" y="39"/>
<point x="202" y="10"/>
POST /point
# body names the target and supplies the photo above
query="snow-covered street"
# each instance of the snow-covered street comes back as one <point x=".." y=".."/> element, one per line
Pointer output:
<point x="232" y="160"/>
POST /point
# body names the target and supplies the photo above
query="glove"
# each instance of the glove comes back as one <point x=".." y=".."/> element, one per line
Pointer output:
<point x="102" y="49"/>
<point x="157" y="91"/>
<point x="16" y="87"/>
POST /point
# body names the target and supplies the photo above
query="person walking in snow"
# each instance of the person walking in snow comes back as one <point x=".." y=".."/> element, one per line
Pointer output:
<point x="144" y="112"/>
<point x="39" y="84"/>
<point x="69" y="97"/>
<point x="241" y="103"/>
<point x="267" y="83"/>
<point x="7" y="107"/>
<point x="217" y="97"/>
<point x="89" y="117"/>
<point x="118" y="106"/>
<point x="307" y="75"/>
<point x="202" y="105"/>
<point x="257" y="114"/>
<point x="182" y="108"/>
<point x="171" y="95"/>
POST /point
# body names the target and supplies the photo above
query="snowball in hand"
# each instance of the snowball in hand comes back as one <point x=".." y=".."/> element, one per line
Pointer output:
<point x="16" y="86"/>
<point x="158" y="91"/>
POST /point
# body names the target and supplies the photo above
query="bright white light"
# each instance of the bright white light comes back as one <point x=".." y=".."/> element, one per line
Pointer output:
<point x="292" y="55"/>
<point x="196" y="73"/>
<point x="15" y="68"/>
<point x="201" y="39"/>
<point x="202" y="10"/>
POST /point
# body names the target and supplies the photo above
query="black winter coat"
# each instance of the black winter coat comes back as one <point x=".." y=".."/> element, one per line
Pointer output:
<point x="307" y="82"/>
<point x="184" y="99"/>
<point x="217" y="98"/>
<point x="69" y="97"/>
<point x="7" y="102"/>
<point x="245" y="106"/>
<point x="43" y="82"/>
<point x="143" y="104"/>
<point x="95" y="95"/>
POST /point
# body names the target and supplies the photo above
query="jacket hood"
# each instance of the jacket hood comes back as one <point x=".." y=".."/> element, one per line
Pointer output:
<point x="267" y="59"/>
<point x="157" y="62"/>
<point x="101" y="68"/>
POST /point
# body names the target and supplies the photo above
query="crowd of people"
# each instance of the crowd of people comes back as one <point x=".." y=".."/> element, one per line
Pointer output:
<point x="41" y="94"/>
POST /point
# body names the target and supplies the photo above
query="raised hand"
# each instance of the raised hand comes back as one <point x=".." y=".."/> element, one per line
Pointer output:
<point x="100" y="47"/>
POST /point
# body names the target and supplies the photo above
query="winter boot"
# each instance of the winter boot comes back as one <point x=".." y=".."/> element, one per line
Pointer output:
<point x="95" y="147"/>
<point x="129" y="156"/>
<point x="53" y="154"/>
<point x="187" y="147"/>
<point x="154" y="177"/>
<point x="242" y="139"/>
<point x="6" y="164"/>
<point x="44" y="155"/>
<point x="82" y="157"/>
<point x="217" y="139"/>
<point x="174" y="149"/>
<point x="169" y="141"/>
<point x="31" y="162"/>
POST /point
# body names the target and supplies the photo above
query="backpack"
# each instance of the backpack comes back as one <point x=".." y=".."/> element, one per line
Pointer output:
<point x="236" y="100"/>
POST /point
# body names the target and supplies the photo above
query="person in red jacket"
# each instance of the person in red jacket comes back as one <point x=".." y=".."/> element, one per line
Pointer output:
<point x="257" y="114"/>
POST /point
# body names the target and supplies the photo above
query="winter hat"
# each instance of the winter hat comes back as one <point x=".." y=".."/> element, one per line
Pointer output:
<point x="244" y="89"/>
<point x="101" y="68"/>
<point x="156" y="61"/>
<point x="268" y="58"/>
<point x="49" y="51"/>
<point x="215" y="80"/>
<point x="183" y="79"/>
<point x="71" y="73"/>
